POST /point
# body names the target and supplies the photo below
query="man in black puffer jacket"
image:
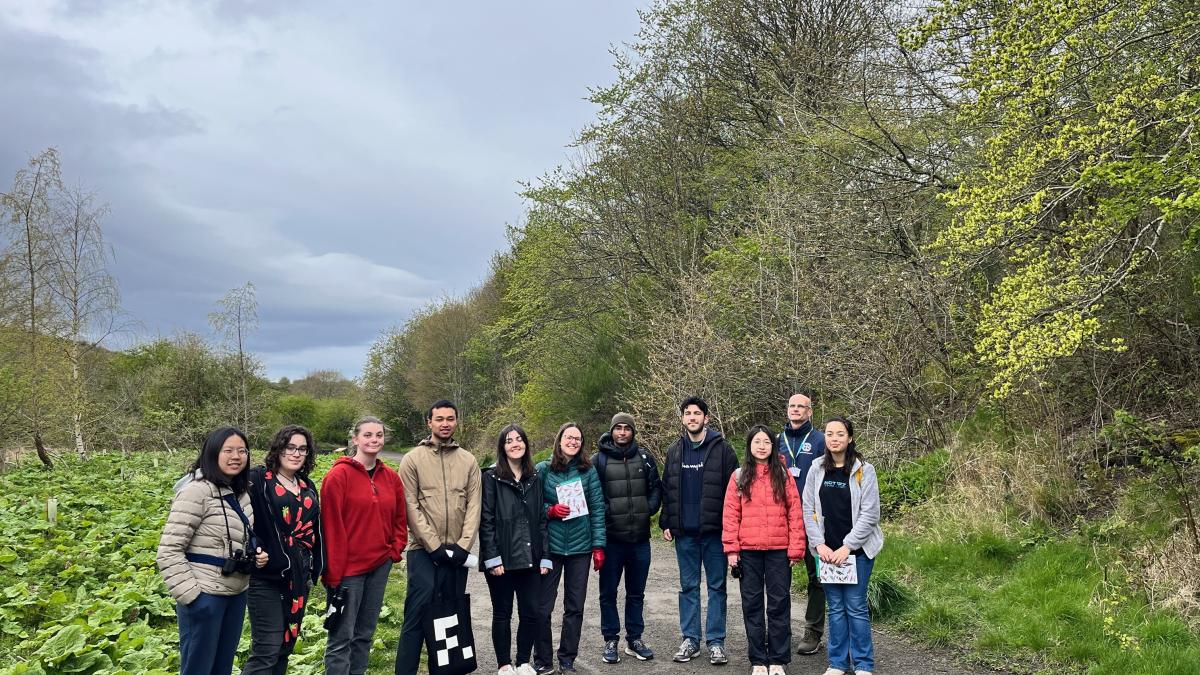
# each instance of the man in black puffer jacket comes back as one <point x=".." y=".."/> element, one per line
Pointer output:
<point x="695" y="476"/>
<point x="632" y="494"/>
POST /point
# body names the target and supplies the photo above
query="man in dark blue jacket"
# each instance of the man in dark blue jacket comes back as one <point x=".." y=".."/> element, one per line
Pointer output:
<point x="632" y="495"/>
<point x="801" y="445"/>
<point x="695" y="476"/>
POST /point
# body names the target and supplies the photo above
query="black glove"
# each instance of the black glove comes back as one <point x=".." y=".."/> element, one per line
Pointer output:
<point x="441" y="556"/>
<point x="459" y="553"/>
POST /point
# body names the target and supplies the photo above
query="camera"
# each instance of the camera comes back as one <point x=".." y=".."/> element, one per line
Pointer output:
<point x="238" y="563"/>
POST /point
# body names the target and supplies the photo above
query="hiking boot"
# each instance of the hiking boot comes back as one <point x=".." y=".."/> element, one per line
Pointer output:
<point x="688" y="649"/>
<point x="810" y="643"/>
<point x="716" y="654"/>
<point x="639" y="649"/>
<point x="610" y="654"/>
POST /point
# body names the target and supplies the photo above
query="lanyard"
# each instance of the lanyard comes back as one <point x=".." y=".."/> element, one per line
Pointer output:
<point x="788" y="444"/>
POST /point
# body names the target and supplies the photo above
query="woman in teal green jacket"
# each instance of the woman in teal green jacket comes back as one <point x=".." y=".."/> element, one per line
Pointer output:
<point x="575" y="508"/>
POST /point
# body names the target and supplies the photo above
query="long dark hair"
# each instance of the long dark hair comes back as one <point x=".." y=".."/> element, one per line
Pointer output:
<point x="503" y="470"/>
<point x="851" y="449"/>
<point x="280" y="441"/>
<point x="211" y="451"/>
<point x="775" y="468"/>
<point x="559" y="461"/>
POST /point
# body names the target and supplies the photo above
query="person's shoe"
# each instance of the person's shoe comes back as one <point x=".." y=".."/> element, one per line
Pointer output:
<point x="639" y="649"/>
<point x="716" y="655"/>
<point x="776" y="670"/>
<point x="834" y="671"/>
<point x="810" y="643"/>
<point x="565" y="667"/>
<point x="862" y="672"/>
<point x="688" y="649"/>
<point x="526" y="669"/>
<point x="506" y="670"/>
<point x="545" y="670"/>
<point x="610" y="653"/>
<point x="758" y="670"/>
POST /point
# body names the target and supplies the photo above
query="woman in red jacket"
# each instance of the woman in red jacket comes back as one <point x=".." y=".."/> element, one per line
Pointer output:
<point x="762" y="534"/>
<point x="359" y="494"/>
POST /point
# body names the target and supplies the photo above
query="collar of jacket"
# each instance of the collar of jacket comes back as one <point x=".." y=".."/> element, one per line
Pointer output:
<point x="357" y="465"/>
<point x="805" y="428"/>
<point x="448" y="446"/>
<point x="711" y="436"/>
<point x="609" y="447"/>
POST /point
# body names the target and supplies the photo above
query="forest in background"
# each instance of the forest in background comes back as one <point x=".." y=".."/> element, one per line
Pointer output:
<point x="972" y="226"/>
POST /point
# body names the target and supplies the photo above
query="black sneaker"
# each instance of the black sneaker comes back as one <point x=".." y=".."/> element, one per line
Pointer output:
<point x="688" y="649"/>
<point x="545" y="670"/>
<point x="565" y="667"/>
<point x="610" y="653"/>
<point x="716" y="654"/>
<point x="639" y="649"/>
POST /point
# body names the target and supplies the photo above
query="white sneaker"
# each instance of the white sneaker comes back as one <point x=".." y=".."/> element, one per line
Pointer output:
<point x="506" y="670"/>
<point x="526" y="669"/>
<point x="776" y="670"/>
<point x="862" y="672"/>
<point x="758" y="670"/>
<point x="835" y="671"/>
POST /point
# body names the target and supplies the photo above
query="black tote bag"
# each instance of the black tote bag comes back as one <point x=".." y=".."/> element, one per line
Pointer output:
<point x="449" y="640"/>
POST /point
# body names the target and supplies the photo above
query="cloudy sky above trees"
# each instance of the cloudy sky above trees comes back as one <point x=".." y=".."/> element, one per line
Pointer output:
<point x="352" y="160"/>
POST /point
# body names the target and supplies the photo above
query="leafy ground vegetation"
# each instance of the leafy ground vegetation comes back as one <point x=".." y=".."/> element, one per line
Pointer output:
<point x="82" y="595"/>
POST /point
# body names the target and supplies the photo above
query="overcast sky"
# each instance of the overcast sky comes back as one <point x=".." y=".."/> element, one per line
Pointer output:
<point x="352" y="160"/>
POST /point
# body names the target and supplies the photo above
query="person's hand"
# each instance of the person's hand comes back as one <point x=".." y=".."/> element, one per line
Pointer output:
<point x="260" y="557"/>
<point x="545" y="571"/>
<point x="839" y="556"/>
<point x="667" y="535"/>
<point x="732" y="558"/>
<point x="558" y="511"/>
<point x="597" y="558"/>
<point x="441" y="556"/>
<point x="497" y="571"/>
<point x="825" y="553"/>
<point x="795" y="561"/>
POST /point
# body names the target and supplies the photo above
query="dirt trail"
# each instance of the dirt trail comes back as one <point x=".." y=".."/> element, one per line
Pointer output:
<point x="893" y="654"/>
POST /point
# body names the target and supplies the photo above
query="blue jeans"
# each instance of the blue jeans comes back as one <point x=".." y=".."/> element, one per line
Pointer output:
<point x="209" y="630"/>
<point x="848" y="631"/>
<point x="692" y="552"/>
<point x="634" y="561"/>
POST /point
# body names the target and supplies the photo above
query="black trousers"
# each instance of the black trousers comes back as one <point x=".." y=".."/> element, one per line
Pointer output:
<point x="526" y="585"/>
<point x="418" y="596"/>
<point x="769" y="644"/>
<point x="268" y="652"/>
<point x="814" y="611"/>
<point x="573" y="571"/>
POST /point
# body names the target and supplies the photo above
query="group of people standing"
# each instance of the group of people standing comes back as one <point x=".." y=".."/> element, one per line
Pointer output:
<point x="798" y="496"/>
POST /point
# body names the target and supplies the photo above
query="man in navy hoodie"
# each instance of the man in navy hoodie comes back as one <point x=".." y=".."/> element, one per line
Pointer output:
<point x="801" y="445"/>
<point x="695" y="475"/>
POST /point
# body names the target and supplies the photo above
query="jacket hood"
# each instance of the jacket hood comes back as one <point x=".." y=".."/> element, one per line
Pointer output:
<point x="449" y="445"/>
<point x="356" y="465"/>
<point x="608" y="446"/>
<point x="711" y="437"/>
<point x="188" y="478"/>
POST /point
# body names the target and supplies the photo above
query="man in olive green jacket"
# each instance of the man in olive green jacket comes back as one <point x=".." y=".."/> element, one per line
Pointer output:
<point x="442" y="493"/>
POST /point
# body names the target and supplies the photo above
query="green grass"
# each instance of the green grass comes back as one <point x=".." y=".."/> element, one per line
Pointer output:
<point x="1045" y="602"/>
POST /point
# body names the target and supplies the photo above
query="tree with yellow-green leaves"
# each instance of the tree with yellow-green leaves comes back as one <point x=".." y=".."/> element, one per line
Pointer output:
<point x="1086" y="189"/>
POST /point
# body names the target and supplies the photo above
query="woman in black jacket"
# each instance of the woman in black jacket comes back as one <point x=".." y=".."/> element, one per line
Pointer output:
<point x="288" y="527"/>
<point x="512" y="547"/>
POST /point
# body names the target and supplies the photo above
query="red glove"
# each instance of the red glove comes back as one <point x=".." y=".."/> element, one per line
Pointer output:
<point x="598" y="558"/>
<point x="558" y="511"/>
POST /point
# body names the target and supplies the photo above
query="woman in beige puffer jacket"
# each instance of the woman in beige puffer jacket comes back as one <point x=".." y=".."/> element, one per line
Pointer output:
<point x="206" y="552"/>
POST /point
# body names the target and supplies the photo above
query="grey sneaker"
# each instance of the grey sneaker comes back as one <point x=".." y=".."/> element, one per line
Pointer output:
<point x="810" y="643"/>
<point x="716" y="654"/>
<point x="688" y="649"/>
<point x="610" y="653"/>
<point x="639" y="649"/>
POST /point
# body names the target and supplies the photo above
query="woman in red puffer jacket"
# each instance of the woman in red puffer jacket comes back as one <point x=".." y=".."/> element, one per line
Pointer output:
<point x="763" y="534"/>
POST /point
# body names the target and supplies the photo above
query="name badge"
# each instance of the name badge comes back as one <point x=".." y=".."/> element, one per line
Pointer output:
<point x="795" y="472"/>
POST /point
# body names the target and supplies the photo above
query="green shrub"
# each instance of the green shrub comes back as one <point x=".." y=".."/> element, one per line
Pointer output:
<point x="913" y="482"/>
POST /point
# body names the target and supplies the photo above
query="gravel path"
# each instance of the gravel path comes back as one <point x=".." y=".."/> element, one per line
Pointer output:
<point x="893" y="654"/>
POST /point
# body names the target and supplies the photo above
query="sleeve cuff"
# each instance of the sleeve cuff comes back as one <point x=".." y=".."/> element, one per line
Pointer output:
<point x="546" y="563"/>
<point x="493" y="562"/>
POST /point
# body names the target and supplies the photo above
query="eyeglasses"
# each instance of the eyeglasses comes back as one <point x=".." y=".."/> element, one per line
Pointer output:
<point x="234" y="451"/>
<point x="297" y="450"/>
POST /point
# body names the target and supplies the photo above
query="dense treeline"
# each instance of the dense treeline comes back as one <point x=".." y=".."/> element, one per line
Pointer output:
<point x="919" y="214"/>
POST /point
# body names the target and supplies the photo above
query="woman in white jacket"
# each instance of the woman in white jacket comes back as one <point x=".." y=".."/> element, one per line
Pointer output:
<point x="841" y="518"/>
<point x="206" y="553"/>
